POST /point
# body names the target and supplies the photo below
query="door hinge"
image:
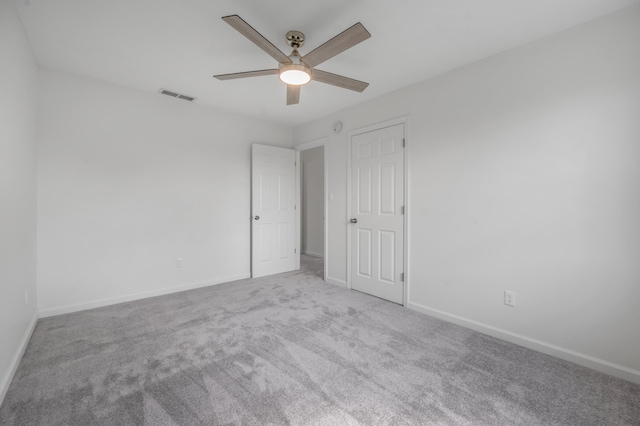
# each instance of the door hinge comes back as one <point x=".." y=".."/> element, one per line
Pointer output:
<point x="402" y="277"/>
<point x="295" y="251"/>
<point x="404" y="142"/>
<point x="402" y="210"/>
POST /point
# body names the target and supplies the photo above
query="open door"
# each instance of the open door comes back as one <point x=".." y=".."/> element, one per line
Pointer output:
<point x="273" y="205"/>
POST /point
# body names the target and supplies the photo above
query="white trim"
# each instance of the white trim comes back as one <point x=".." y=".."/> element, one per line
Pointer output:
<point x="13" y="367"/>
<point x="588" y="361"/>
<point x="326" y="207"/>
<point x="336" y="281"/>
<point x="298" y="178"/>
<point x="137" y="296"/>
<point x="347" y="219"/>
<point x="407" y="210"/>
<point x="313" y="254"/>
<point x="404" y="120"/>
<point x="311" y="144"/>
<point x="377" y="126"/>
<point x="316" y="143"/>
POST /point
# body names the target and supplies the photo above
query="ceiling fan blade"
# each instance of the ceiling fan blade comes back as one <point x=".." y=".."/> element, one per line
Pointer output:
<point x="343" y="41"/>
<point x="246" y="74"/>
<point x="258" y="39"/>
<point x="293" y="94"/>
<point x="338" y="80"/>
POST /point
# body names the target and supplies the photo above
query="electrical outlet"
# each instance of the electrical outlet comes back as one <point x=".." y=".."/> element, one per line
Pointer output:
<point x="180" y="263"/>
<point x="510" y="298"/>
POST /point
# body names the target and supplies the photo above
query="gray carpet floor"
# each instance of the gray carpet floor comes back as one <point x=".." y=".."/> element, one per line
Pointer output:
<point x="291" y="349"/>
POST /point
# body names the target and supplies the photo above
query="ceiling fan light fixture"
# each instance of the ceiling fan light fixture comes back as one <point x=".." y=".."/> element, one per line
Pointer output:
<point x="295" y="70"/>
<point x="294" y="74"/>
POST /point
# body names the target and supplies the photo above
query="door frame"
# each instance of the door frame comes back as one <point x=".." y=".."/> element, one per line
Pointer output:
<point x="316" y="143"/>
<point x="404" y="120"/>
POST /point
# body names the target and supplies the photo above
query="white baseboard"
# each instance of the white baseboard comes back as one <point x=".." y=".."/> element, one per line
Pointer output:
<point x="8" y="377"/>
<point x="336" y="281"/>
<point x="136" y="296"/>
<point x="594" y="363"/>
<point x="313" y="254"/>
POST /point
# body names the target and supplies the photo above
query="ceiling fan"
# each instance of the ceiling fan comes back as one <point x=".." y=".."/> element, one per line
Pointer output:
<point x="295" y="70"/>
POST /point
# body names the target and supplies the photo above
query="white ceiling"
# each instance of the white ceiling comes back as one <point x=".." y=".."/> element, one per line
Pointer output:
<point x="180" y="44"/>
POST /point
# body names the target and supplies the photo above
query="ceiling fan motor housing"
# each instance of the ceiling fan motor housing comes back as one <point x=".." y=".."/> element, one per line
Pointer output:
<point x="296" y="73"/>
<point x="295" y="39"/>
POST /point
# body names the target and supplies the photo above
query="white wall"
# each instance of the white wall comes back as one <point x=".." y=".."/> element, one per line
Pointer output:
<point x="312" y="228"/>
<point x="17" y="192"/>
<point x="130" y="181"/>
<point x="524" y="174"/>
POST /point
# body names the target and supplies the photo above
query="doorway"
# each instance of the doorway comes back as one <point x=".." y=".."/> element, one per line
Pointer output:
<point x="313" y="206"/>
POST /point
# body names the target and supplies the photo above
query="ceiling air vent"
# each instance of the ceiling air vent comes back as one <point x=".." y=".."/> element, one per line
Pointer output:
<point x="176" y="95"/>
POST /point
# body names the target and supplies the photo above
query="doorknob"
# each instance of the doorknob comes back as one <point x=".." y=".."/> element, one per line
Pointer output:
<point x="257" y="218"/>
<point x="354" y="220"/>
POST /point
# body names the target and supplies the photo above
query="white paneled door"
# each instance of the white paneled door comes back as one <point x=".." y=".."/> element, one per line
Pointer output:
<point x="377" y="223"/>
<point x="273" y="192"/>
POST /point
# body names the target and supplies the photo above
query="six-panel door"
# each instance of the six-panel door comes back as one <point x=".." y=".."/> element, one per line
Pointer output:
<point x="377" y="194"/>
<point x="273" y="230"/>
